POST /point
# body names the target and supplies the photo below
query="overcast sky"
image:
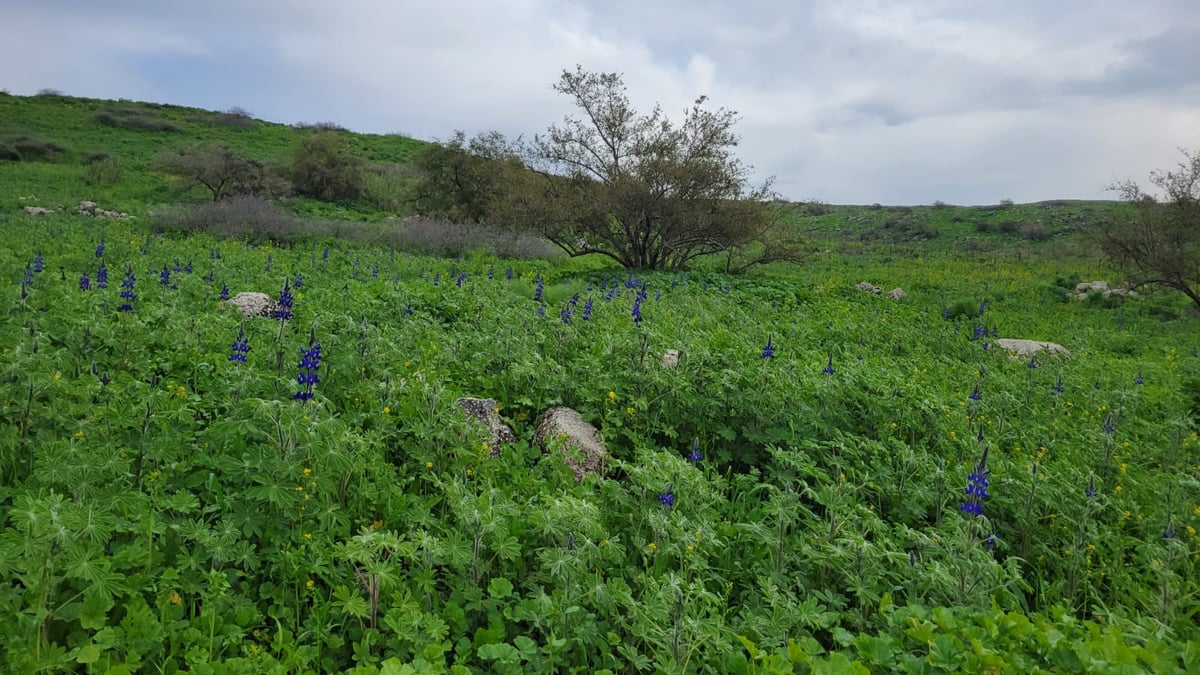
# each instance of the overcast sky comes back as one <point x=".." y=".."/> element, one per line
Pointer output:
<point x="846" y="101"/>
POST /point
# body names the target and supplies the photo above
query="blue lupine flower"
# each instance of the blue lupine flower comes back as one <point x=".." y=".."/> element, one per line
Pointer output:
<point x="299" y="281"/>
<point x="982" y="307"/>
<point x="541" y="309"/>
<point x="828" y="369"/>
<point x="1090" y="492"/>
<point x="537" y="292"/>
<point x="946" y="314"/>
<point x="609" y="295"/>
<point x="667" y="498"/>
<point x="1033" y="361"/>
<point x="860" y="358"/>
<point x="461" y="278"/>
<point x="992" y="540"/>
<point x="127" y="293"/>
<point x="977" y="487"/>
<point x="188" y="267"/>
<point x="283" y="311"/>
<point x="587" y="310"/>
<point x="104" y="379"/>
<point x="1058" y="387"/>
<point x="694" y="455"/>
<point x="637" y="311"/>
<point x="1138" y="380"/>
<point x="102" y="277"/>
<point x="178" y="267"/>
<point x="100" y="248"/>
<point x="28" y="278"/>
<point x="657" y="296"/>
<point x="508" y="274"/>
<point x="85" y="284"/>
<point x="574" y="300"/>
<point x="239" y="347"/>
<point x="491" y="272"/>
<point x="437" y="278"/>
<point x="1109" y="428"/>
<point x="325" y="254"/>
<point x="375" y="271"/>
<point x="565" y="314"/>
<point x="164" y="277"/>
<point x="1097" y="385"/>
<point x="310" y="363"/>
<point x="39" y="263"/>
<point x="1169" y="533"/>
<point x="270" y="258"/>
<point x="768" y="351"/>
<point x="976" y="394"/>
<point x="225" y="292"/>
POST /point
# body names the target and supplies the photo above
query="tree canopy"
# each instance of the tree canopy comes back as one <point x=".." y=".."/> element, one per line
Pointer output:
<point x="637" y="188"/>
<point x="1159" y="240"/>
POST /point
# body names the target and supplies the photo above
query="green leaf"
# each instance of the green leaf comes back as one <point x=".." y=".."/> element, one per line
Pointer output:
<point x="88" y="654"/>
<point x="500" y="588"/>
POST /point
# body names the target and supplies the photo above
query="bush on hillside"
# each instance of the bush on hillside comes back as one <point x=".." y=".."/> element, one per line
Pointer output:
<point x="325" y="169"/>
<point x="18" y="145"/>
<point x="133" y="118"/>
<point x="444" y="238"/>
<point x="101" y="169"/>
<point x="242" y="217"/>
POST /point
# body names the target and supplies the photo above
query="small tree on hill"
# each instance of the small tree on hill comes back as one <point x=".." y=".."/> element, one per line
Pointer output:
<point x="324" y="168"/>
<point x="220" y="170"/>
<point x="1158" y="238"/>
<point x="646" y="192"/>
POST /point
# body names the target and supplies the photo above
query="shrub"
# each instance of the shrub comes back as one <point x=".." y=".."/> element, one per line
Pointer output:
<point x="18" y="145"/>
<point x="242" y="217"/>
<point x="47" y="91"/>
<point x="325" y="169"/>
<point x="1035" y="232"/>
<point x="387" y="186"/>
<point x="1005" y="203"/>
<point x="100" y="169"/>
<point x="439" y="237"/>
<point x="133" y="118"/>
<point x="815" y="207"/>
<point x="1009" y="226"/>
<point x="236" y="118"/>
<point x="983" y="226"/>
<point x="318" y="126"/>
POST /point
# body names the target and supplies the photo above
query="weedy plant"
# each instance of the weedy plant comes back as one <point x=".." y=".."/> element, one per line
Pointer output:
<point x="822" y="479"/>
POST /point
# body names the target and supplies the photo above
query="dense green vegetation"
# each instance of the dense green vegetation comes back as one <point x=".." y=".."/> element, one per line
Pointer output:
<point x="792" y="509"/>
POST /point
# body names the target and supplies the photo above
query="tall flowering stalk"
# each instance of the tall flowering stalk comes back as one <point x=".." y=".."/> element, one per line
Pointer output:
<point x="102" y="277"/>
<point x="977" y="487"/>
<point x="768" y="351"/>
<point x="310" y="363"/>
<point x="284" y="310"/>
<point x="127" y="292"/>
<point x="240" y="346"/>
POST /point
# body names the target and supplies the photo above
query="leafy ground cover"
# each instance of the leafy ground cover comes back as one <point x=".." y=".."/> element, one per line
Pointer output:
<point x="829" y="481"/>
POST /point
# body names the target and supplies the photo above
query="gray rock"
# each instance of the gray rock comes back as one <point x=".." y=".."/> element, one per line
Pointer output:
<point x="896" y="293"/>
<point x="38" y="210"/>
<point x="485" y="411"/>
<point x="867" y="287"/>
<point x="670" y="358"/>
<point x="1031" y="347"/>
<point x="253" y="304"/>
<point x="565" y="430"/>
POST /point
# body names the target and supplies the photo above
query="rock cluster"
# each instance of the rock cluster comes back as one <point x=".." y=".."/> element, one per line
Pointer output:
<point x="1030" y="347"/>
<point x="1082" y="290"/>
<point x="86" y="208"/>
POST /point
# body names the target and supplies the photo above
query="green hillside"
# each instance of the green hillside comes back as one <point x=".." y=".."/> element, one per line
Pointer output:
<point x="130" y="135"/>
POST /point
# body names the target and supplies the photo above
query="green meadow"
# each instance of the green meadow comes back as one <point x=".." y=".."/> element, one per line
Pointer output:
<point x="828" y="480"/>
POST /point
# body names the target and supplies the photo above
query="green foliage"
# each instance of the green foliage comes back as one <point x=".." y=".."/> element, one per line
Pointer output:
<point x="324" y="168"/>
<point x="18" y="145"/>
<point x="165" y="508"/>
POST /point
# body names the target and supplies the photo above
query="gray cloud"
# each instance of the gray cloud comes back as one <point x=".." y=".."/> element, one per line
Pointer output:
<point x="900" y="101"/>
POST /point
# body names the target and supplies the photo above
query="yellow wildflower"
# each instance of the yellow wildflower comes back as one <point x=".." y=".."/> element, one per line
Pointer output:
<point x="612" y="395"/>
<point x="308" y="584"/>
<point x="175" y="599"/>
<point x="387" y="410"/>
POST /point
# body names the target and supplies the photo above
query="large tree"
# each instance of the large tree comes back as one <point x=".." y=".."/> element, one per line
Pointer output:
<point x="1158" y="238"/>
<point x="637" y="188"/>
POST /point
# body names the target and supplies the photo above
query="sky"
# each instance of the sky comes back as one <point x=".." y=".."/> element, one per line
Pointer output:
<point x="842" y="101"/>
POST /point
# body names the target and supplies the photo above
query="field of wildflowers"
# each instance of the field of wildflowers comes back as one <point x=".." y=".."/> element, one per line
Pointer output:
<point x="826" y="481"/>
